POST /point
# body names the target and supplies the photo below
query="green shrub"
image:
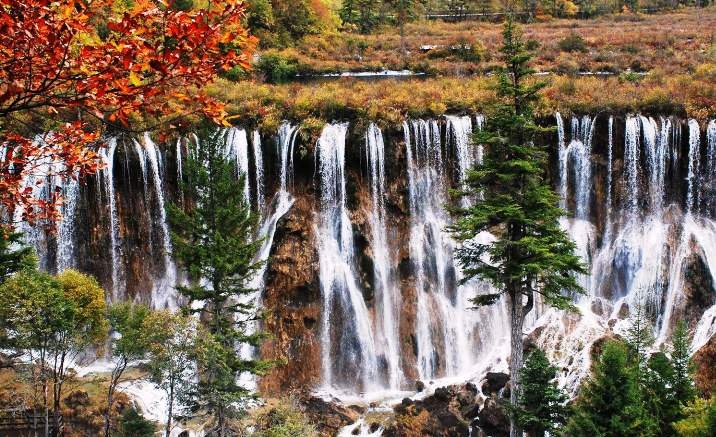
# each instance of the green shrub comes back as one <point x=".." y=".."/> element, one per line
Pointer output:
<point x="631" y="76"/>
<point x="276" y="68"/>
<point x="573" y="43"/>
<point x="630" y="48"/>
<point x="284" y="420"/>
<point x="235" y="74"/>
<point x="133" y="424"/>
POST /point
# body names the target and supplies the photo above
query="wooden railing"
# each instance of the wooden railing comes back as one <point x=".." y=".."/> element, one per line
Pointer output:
<point x="21" y="423"/>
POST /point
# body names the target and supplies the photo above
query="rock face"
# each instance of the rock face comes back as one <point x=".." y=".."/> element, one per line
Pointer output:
<point x="329" y="417"/>
<point x="452" y="411"/>
<point x="292" y="304"/>
<point x="292" y="299"/>
<point x="705" y="362"/>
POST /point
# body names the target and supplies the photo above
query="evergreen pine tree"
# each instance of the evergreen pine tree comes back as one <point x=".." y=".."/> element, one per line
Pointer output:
<point x="609" y="403"/>
<point x="682" y="382"/>
<point x="214" y="240"/>
<point x="658" y="395"/>
<point x="639" y="339"/>
<point x="14" y="255"/>
<point x="541" y="405"/>
<point x="365" y="14"/>
<point x="531" y="253"/>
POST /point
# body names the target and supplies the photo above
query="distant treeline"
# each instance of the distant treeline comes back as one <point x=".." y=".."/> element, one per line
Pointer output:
<point x="365" y="15"/>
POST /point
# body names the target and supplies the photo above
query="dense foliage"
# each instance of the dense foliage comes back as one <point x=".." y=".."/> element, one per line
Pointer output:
<point x="610" y="403"/>
<point x="541" y="405"/>
<point x="75" y="67"/>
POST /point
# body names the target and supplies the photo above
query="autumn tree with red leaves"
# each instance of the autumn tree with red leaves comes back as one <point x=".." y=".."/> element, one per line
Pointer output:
<point x="72" y="69"/>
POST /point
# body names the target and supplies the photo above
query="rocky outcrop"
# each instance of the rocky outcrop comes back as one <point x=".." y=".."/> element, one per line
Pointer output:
<point x="705" y="372"/>
<point x="328" y="416"/>
<point x="292" y="304"/>
<point x="449" y="411"/>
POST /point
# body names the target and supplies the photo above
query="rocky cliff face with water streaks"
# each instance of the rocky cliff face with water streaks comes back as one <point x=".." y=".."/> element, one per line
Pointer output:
<point x="361" y="294"/>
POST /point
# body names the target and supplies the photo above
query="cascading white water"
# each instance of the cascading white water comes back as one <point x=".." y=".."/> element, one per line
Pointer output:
<point x="65" y="254"/>
<point x="180" y="165"/>
<point x="562" y="157"/>
<point x="458" y="132"/>
<point x="163" y="291"/>
<point x="711" y="149"/>
<point x="575" y="160"/>
<point x="237" y="148"/>
<point x="451" y="339"/>
<point x="631" y="162"/>
<point x="107" y="156"/>
<point x="646" y="253"/>
<point x="45" y="183"/>
<point x="693" y="197"/>
<point x="579" y="156"/>
<point x="384" y="283"/>
<point x="647" y="259"/>
<point x="610" y="170"/>
<point x="349" y="353"/>
<point x="424" y="182"/>
<point x="259" y="169"/>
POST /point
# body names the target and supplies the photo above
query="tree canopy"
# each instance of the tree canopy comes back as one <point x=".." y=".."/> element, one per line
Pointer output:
<point x="73" y="69"/>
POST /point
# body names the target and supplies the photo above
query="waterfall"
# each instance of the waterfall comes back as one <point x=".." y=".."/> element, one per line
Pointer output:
<point x="259" y="169"/>
<point x="351" y="351"/>
<point x="692" y="195"/>
<point x="281" y="205"/>
<point x="562" y="156"/>
<point x="458" y="131"/>
<point x="237" y="148"/>
<point x="286" y="139"/>
<point x="631" y="162"/>
<point x="386" y="289"/>
<point x="45" y="184"/>
<point x="449" y="336"/>
<point x="711" y="147"/>
<point x="180" y="169"/>
<point x="107" y="156"/>
<point x="578" y="154"/>
<point x="65" y="254"/>
<point x="711" y="165"/>
<point x="610" y="158"/>
<point x="577" y="157"/>
<point x="163" y="291"/>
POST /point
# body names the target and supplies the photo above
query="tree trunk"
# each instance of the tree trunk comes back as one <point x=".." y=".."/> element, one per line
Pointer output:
<point x="402" y="16"/>
<point x="114" y="380"/>
<point x="170" y="404"/>
<point x="107" y="415"/>
<point x="220" y="421"/>
<point x="44" y="404"/>
<point x="517" y="319"/>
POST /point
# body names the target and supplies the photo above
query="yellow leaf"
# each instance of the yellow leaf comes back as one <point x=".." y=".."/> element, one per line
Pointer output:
<point x="134" y="79"/>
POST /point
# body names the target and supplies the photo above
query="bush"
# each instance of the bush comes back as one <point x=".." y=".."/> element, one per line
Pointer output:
<point x="706" y="72"/>
<point x="573" y="43"/>
<point x="631" y="76"/>
<point x="277" y="68"/>
<point x="283" y="420"/>
<point x="235" y="74"/>
<point x="133" y="424"/>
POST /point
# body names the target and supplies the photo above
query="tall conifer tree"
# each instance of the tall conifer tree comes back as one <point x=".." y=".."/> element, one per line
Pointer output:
<point x="215" y="241"/>
<point x="531" y="254"/>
